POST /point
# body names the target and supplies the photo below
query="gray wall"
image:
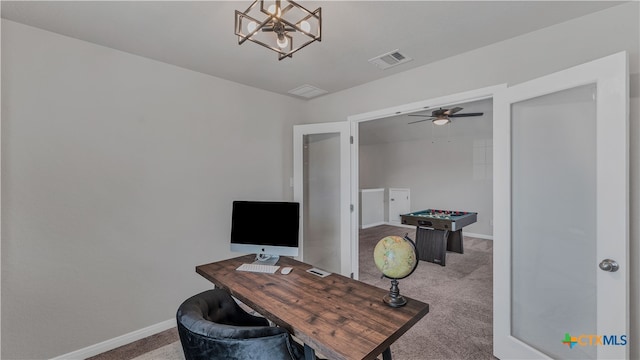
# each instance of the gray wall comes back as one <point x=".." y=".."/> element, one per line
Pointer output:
<point x="118" y="174"/>
<point x="514" y="61"/>
<point x="450" y="169"/>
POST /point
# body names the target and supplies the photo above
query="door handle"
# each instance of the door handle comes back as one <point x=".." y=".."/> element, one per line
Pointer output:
<point x="609" y="265"/>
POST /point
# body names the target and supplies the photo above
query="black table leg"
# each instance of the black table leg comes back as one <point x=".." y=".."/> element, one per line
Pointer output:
<point x="386" y="355"/>
<point x="309" y="353"/>
<point x="432" y="245"/>
<point x="454" y="241"/>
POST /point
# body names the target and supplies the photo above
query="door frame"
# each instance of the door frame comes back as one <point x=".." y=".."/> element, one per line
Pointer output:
<point x="355" y="120"/>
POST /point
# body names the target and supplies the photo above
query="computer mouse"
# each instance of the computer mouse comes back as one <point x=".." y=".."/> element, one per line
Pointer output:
<point x="286" y="270"/>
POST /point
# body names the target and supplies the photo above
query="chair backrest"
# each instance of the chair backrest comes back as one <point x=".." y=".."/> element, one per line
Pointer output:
<point x="212" y="325"/>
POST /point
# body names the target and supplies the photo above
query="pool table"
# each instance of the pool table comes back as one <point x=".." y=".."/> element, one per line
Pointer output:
<point x="438" y="231"/>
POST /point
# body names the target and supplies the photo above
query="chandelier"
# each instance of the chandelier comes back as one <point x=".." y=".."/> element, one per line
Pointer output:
<point x="280" y="25"/>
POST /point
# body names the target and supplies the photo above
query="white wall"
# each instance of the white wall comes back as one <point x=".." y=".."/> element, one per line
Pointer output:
<point x="449" y="170"/>
<point x="371" y="207"/>
<point x="118" y="174"/>
<point x="514" y="61"/>
<point x="440" y="176"/>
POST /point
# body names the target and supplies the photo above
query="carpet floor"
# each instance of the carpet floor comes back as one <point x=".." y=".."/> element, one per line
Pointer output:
<point x="458" y="326"/>
<point x="460" y="297"/>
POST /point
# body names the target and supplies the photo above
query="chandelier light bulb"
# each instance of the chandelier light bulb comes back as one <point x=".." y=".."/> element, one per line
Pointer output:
<point x="305" y="26"/>
<point x="283" y="42"/>
<point x="273" y="11"/>
<point x="252" y="26"/>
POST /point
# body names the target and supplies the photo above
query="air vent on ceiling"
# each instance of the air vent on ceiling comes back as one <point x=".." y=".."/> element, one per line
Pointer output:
<point x="390" y="59"/>
<point x="307" y="91"/>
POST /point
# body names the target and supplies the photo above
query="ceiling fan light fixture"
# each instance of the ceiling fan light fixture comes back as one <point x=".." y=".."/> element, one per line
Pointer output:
<point x="442" y="116"/>
<point x="441" y="121"/>
<point x="283" y="26"/>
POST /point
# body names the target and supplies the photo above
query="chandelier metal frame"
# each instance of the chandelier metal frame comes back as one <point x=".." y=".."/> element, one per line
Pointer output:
<point x="278" y="22"/>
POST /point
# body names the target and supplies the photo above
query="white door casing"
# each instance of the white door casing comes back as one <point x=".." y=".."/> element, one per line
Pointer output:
<point x="608" y="76"/>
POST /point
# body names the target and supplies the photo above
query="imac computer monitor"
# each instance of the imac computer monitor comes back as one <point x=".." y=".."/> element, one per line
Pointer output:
<point x="265" y="228"/>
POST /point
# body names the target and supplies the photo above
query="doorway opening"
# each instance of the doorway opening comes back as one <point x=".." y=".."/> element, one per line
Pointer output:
<point x="444" y="167"/>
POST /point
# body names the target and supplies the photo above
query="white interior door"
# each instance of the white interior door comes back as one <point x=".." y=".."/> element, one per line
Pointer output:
<point x="398" y="204"/>
<point x="561" y="209"/>
<point x="321" y="185"/>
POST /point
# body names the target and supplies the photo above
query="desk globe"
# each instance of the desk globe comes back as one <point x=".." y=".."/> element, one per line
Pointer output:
<point x="396" y="258"/>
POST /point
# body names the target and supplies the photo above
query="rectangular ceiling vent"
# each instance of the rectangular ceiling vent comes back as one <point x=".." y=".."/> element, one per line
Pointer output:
<point x="307" y="91"/>
<point x="390" y="59"/>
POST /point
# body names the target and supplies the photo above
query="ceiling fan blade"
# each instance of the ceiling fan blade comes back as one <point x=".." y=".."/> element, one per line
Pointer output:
<point x="467" y="114"/>
<point x="439" y="112"/>
<point x="417" y="121"/>
<point x="418" y="115"/>
<point x="453" y="111"/>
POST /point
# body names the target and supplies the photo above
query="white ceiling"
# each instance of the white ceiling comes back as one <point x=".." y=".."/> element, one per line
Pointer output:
<point x="199" y="35"/>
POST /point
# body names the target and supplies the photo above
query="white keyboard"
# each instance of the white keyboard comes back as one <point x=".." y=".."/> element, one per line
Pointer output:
<point x="270" y="269"/>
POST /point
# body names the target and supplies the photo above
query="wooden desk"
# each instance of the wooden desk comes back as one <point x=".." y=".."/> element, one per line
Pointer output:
<point x="338" y="317"/>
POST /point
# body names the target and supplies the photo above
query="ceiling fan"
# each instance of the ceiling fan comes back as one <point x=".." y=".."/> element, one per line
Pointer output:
<point x="441" y="116"/>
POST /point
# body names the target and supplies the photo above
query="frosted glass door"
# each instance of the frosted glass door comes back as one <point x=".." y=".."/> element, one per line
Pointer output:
<point x="321" y="187"/>
<point x="561" y="213"/>
<point x="321" y="209"/>
<point x="553" y="220"/>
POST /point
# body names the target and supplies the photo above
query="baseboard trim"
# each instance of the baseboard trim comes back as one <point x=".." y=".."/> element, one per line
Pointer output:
<point x="125" y="339"/>
<point x="372" y="225"/>
<point x="479" y="236"/>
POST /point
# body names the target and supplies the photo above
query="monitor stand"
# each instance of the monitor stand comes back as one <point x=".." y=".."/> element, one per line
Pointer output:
<point x="265" y="259"/>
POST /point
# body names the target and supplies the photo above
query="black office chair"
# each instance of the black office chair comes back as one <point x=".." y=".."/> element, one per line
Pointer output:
<point x="212" y="325"/>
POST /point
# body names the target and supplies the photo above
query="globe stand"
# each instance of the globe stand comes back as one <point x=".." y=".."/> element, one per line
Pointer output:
<point x="394" y="299"/>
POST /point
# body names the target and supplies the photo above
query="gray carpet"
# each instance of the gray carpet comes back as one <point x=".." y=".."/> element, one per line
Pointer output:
<point x="459" y="323"/>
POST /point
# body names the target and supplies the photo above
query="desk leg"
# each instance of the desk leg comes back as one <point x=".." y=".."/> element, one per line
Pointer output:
<point x="386" y="355"/>
<point x="309" y="353"/>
